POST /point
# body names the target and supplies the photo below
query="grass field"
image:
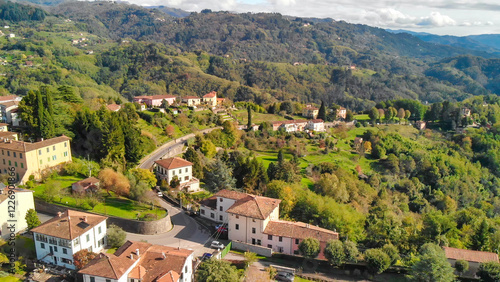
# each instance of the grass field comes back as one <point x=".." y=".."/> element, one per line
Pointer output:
<point x="110" y="204"/>
<point x="257" y="118"/>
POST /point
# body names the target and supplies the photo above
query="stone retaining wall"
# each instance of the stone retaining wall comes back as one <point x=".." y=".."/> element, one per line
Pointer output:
<point x="129" y="225"/>
<point x="260" y="250"/>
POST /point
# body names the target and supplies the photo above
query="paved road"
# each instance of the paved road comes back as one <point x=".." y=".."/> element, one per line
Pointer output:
<point x="169" y="149"/>
<point x="186" y="233"/>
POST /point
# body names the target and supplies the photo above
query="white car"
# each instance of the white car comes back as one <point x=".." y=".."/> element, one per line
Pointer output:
<point x="217" y="245"/>
<point x="160" y="194"/>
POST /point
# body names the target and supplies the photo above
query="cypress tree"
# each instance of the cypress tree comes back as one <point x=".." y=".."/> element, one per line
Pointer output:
<point x="40" y="111"/>
<point x="322" y="111"/>
<point x="249" y="112"/>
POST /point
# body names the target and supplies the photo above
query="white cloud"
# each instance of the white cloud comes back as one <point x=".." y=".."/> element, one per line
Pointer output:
<point x="437" y="20"/>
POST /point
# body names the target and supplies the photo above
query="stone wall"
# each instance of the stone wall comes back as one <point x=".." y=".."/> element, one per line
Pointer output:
<point x="260" y="250"/>
<point x="129" y="225"/>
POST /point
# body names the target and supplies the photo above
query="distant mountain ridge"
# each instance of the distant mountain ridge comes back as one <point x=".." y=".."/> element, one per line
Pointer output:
<point x="485" y="42"/>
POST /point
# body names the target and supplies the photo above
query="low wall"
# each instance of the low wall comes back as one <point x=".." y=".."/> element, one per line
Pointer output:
<point x="260" y="250"/>
<point x="129" y="225"/>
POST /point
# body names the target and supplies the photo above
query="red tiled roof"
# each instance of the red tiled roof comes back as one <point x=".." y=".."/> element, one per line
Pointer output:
<point x="7" y="98"/>
<point x="158" y="97"/>
<point x="254" y="206"/>
<point x="142" y="97"/>
<point x="221" y="99"/>
<point x="469" y="255"/>
<point x="230" y="194"/>
<point x="210" y="202"/>
<point x="318" y="120"/>
<point x="70" y="225"/>
<point x="172" y="163"/>
<point x="21" y="146"/>
<point x="113" y="107"/>
<point x="190" y="97"/>
<point x="170" y="276"/>
<point x="210" y="95"/>
<point x="10" y="103"/>
<point x="299" y="230"/>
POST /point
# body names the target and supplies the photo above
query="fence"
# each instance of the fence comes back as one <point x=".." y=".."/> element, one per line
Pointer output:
<point x="260" y="250"/>
<point x="226" y="250"/>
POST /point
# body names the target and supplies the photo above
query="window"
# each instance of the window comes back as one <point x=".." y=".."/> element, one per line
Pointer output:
<point x="269" y="237"/>
<point x="48" y="149"/>
<point x="270" y="246"/>
<point x="42" y="245"/>
<point x="77" y="241"/>
<point x="55" y="248"/>
<point x="212" y="215"/>
<point x="186" y="169"/>
<point x="220" y="208"/>
<point x="39" y="152"/>
<point x="3" y="161"/>
<point x="41" y="161"/>
<point x="280" y="249"/>
<point x="253" y="220"/>
<point x="180" y="171"/>
<point x="220" y="217"/>
<point x="237" y="227"/>
<point x="21" y="155"/>
<point x="259" y="242"/>
<point x="8" y="153"/>
<point x="22" y="165"/>
<point x="65" y="154"/>
<point x="2" y="152"/>
<point x="237" y="216"/>
<point x="54" y="148"/>
<point x="185" y="268"/>
<point x="10" y="163"/>
<point x="186" y="178"/>
<point x="296" y="252"/>
<point x="296" y="241"/>
<point x="220" y="199"/>
<point x="88" y="237"/>
<point x="15" y="163"/>
<point x="65" y="144"/>
<point x="48" y="159"/>
<point x="253" y="230"/>
<point x="108" y="280"/>
<point x="15" y="154"/>
<point x="280" y="239"/>
<point x="99" y="230"/>
<point x="173" y="172"/>
<point x="66" y="261"/>
<point x="92" y="279"/>
<point x="54" y="157"/>
<point x="202" y="211"/>
<point x="65" y="251"/>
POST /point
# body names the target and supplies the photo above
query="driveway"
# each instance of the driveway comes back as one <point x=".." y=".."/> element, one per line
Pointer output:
<point x="169" y="149"/>
<point x="186" y="233"/>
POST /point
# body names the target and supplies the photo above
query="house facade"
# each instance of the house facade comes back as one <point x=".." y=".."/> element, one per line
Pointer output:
<point x="155" y="100"/>
<point x="141" y="261"/>
<point x="255" y="220"/>
<point x="310" y="112"/>
<point x="210" y="99"/>
<point x="6" y="110"/>
<point x="316" y="125"/>
<point x="57" y="240"/>
<point x="167" y="169"/>
<point x="342" y="113"/>
<point x="23" y="201"/>
<point x="87" y="185"/>
<point x="113" y="107"/>
<point x="33" y="158"/>
<point x="191" y="100"/>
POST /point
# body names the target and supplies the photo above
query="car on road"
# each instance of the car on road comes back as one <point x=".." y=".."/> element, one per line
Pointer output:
<point x="217" y="245"/>
<point x="284" y="276"/>
<point x="160" y="194"/>
<point x="206" y="256"/>
<point x="221" y="228"/>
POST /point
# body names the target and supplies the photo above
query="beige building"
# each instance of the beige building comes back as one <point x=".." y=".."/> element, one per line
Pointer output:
<point x="167" y="169"/>
<point x="33" y="158"/>
<point x="342" y="113"/>
<point x="191" y="100"/>
<point x="23" y="201"/>
<point x="210" y="99"/>
<point x="310" y="112"/>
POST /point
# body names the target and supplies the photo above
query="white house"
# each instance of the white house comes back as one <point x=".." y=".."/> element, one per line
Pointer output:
<point x="255" y="220"/>
<point x="191" y="100"/>
<point x="67" y="233"/>
<point x="8" y="104"/>
<point x="22" y="201"/>
<point x="141" y="261"/>
<point x="316" y="125"/>
<point x="169" y="168"/>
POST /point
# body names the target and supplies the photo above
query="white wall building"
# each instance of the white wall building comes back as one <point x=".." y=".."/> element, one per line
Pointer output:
<point x="169" y="168"/>
<point x="316" y="125"/>
<point x="140" y="261"/>
<point x="67" y="233"/>
<point x="19" y="206"/>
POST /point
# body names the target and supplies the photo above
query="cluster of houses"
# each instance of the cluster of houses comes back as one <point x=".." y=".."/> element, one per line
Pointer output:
<point x="209" y="99"/>
<point x="317" y="125"/>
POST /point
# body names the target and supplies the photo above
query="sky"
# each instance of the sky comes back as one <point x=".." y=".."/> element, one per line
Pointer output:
<point x="443" y="17"/>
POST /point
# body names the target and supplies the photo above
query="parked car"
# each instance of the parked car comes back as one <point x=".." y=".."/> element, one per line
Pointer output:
<point x="217" y="245"/>
<point x="206" y="256"/>
<point x="160" y="194"/>
<point x="221" y="228"/>
<point x="284" y="276"/>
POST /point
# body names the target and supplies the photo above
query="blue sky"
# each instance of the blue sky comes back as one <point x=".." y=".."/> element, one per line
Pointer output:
<point x="453" y="17"/>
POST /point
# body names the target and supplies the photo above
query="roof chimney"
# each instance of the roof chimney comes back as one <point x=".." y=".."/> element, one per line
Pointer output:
<point x="59" y="214"/>
<point x="85" y="219"/>
<point x="163" y="254"/>
<point x="131" y="256"/>
<point x="137" y="252"/>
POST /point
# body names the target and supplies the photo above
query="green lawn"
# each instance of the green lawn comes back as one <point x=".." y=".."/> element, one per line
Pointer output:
<point x="257" y="118"/>
<point x="300" y="279"/>
<point x="110" y="205"/>
<point x="10" y="279"/>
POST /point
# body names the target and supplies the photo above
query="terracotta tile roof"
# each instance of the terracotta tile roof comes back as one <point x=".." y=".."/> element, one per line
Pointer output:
<point x="27" y="146"/>
<point x="230" y="194"/>
<point x="10" y="103"/>
<point x="7" y="134"/>
<point x="86" y="183"/>
<point x="221" y="99"/>
<point x="469" y="255"/>
<point x="3" y="124"/>
<point x="342" y="108"/>
<point x="70" y="225"/>
<point x="142" y="97"/>
<point x="190" y="97"/>
<point x="158" y="97"/>
<point x="172" y="163"/>
<point x="7" y="98"/>
<point x="150" y="263"/>
<point x="311" y="109"/>
<point x="5" y="192"/>
<point x="210" y="202"/>
<point x="113" y="107"/>
<point x="294" y="121"/>
<point x="299" y="230"/>
<point x="254" y="206"/>
<point x="318" y="120"/>
<point x="210" y="95"/>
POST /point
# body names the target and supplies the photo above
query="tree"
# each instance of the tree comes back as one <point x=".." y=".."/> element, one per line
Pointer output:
<point x="249" y="114"/>
<point x="32" y="219"/>
<point x="218" y="177"/>
<point x="349" y="116"/>
<point x="322" y="111"/>
<point x="144" y="175"/>
<point x="489" y="271"/>
<point x="392" y="252"/>
<point x="351" y="251"/>
<point x="192" y="156"/>
<point x="3" y="259"/>
<point x="480" y="239"/>
<point x="213" y="270"/>
<point x="53" y="189"/>
<point x="334" y="252"/>
<point x="309" y="248"/>
<point x="401" y="114"/>
<point x="114" y="181"/>
<point x="287" y="107"/>
<point x="432" y="265"/>
<point x="271" y="271"/>
<point x="373" y="114"/>
<point x="116" y="236"/>
<point x="250" y="258"/>
<point x="377" y="260"/>
<point x="175" y="182"/>
<point x="82" y="258"/>
<point x="170" y="130"/>
<point x="208" y="148"/>
<point x="461" y="266"/>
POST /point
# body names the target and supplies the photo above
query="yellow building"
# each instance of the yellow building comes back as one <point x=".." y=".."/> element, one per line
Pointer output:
<point x="27" y="158"/>
<point x="210" y="99"/>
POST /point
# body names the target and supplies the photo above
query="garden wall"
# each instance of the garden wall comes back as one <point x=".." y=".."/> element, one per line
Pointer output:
<point x="260" y="250"/>
<point x="129" y="225"/>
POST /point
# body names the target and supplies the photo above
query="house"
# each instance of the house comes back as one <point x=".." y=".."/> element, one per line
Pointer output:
<point x="167" y="169"/>
<point x="155" y="101"/>
<point x="113" y="107"/>
<point x="141" y="261"/>
<point x="210" y="99"/>
<point x="221" y="101"/>
<point x="255" y="220"/>
<point x="465" y="112"/>
<point x="33" y="158"/>
<point x="474" y="258"/>
<point x="358" y="141"/>
<point x="315" y="125"/>
<point x="310" y="112"/>
<point x="59" y="238"/>
<point x="90" y="184"/>
<point x="23" y="200"/>
<point x="6" y="109"/>
<point x="420" y="125"/>
<point x="290" y="125"/>
<point x="341" y="113"/>
<point x="191" y="100"/>
<point x="14" y="117"/>
<point x="4" y="127"/>
<point x="276" y="125"/>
